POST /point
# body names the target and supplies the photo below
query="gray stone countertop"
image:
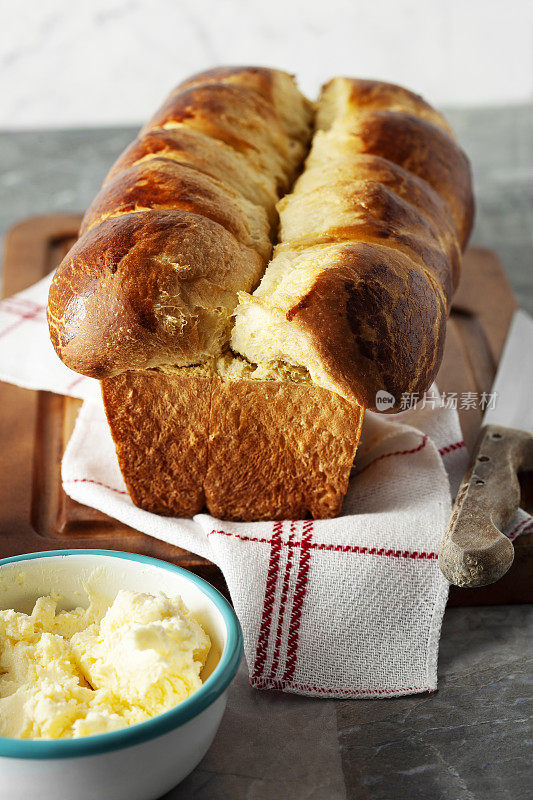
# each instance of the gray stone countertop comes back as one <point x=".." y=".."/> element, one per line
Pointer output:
<point x="473" y="739"/>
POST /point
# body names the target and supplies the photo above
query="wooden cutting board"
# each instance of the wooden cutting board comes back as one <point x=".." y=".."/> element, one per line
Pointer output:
<point x="35" y="513"/>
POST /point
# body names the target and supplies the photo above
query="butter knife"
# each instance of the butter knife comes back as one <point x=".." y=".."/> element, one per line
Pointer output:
<point x="474" y="551"/>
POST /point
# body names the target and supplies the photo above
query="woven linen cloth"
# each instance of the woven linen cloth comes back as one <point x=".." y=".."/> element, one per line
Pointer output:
<point x="348" y="607"/>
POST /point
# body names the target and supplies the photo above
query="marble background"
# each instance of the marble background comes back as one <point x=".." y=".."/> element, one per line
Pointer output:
<point x="67" y="63"/>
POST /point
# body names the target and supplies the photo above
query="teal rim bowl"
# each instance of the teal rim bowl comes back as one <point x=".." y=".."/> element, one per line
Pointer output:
<point x="213" y="687"/>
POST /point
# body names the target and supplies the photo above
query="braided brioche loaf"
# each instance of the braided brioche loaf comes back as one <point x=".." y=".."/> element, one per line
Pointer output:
<point x="171" y="267"/>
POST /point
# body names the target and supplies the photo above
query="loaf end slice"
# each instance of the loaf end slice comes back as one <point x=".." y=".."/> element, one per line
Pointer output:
<point x="159" y="423"/>
<point x="245" y="449"/>
<point x="279" y="450"/>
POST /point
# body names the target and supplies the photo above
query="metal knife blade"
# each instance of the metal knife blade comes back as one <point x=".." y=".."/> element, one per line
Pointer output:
<point x="513" y="384"/>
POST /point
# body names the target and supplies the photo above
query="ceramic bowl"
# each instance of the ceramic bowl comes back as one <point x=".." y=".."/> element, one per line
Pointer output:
<point x="143" y="761"/>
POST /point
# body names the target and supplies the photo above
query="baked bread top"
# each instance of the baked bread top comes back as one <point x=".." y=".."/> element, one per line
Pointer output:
<point x="368" y="255"/>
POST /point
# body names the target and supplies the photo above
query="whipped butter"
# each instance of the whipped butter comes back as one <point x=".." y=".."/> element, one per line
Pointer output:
<point x="66" y="674"/>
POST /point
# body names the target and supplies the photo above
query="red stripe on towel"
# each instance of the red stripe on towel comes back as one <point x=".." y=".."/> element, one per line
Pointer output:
<point x="268" y="603"/>
<point x="283" y="601"/>
<point x="298" y="601"/>
<point x="450" y="447"/>
<point x="390" y="455"/>
<point x="421" y="555"/>
<point x="97" y="483"/>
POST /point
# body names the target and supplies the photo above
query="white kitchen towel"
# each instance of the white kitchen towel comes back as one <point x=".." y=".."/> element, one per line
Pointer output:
<point x="350" y="607"/>
<point x="27" y="357"/>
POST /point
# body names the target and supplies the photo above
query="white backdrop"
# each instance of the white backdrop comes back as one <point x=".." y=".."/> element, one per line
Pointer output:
<point x="71" y="62"/>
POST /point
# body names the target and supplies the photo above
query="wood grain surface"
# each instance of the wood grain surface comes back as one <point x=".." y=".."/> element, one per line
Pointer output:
<point x="37" y="515"/>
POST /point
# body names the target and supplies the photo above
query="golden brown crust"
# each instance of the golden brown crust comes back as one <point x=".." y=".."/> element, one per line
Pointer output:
<point x="421" y="148"/>
<point x="353" y="96"/>
<point x="159" y="424"/>
<point x="144" y="290"/>
<point x="389" y="121"/>
<point x="365" y="211"/>
<point x="200" y="152"/>
<point x="260" y="79"/>
<point x="248" y="450"/>
<point x="358" y="167"/>
<point x="219" y="110"/>
<point x="277" y="87"/>
<point x="390" y="334"/>
<point x="164" y="184"/>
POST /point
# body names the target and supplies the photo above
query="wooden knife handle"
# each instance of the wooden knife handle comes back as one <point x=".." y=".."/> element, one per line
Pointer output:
<point x="474" y="551"/>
